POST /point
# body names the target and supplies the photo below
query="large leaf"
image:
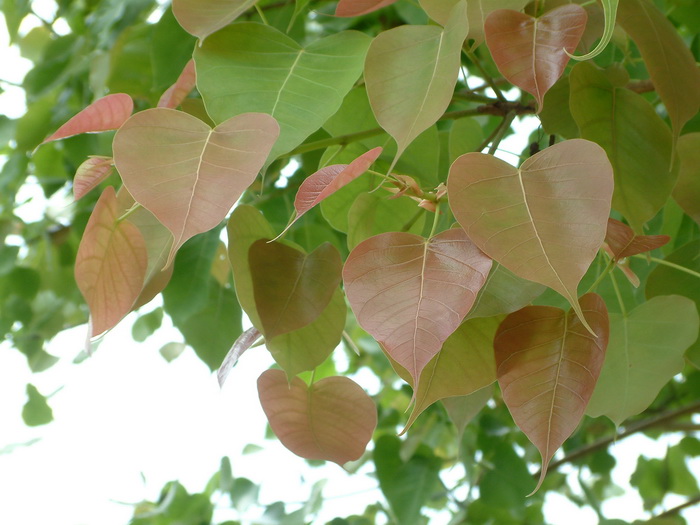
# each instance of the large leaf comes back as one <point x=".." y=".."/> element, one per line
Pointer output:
<point x="411" y="293"/>
<point x="291" y="288"/>
<point x="547" y="366"/>
<point x="252" y="67"/>
<point x="687" y="189"/>
<point x="411" y="72"/>
<point x="333" y="419"/>
<point x="545" y="221"/>
<point x="504" y="293"/>
<point x="201" y="18"/>
<point x="624" y="243"/>
<point x="89" y="175"/>
<point x="110" y="265"/>
<point x="186" y="173"/>
<point x="532" y="52"/>
<point x="360" y="7"/>
<point x="645" y="351"/>
<point x="670" y="63"/>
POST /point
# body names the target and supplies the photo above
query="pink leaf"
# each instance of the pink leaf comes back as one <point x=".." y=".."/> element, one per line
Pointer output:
<point x="243" y="343"/>
<point x="623" y="242"/>
<point x="411" y="293"/>
<point x="201" y="18"/>
<point x="178" y="92"/>
<point x="347" y="8"/>
<point x="111" y="263"/>
<point x="105" y="114"/>
<point x="89" y="175"/>
<point x="333" y="419"/>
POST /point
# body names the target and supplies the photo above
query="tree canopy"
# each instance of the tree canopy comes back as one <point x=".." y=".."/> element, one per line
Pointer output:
<point x="322" y="177"/>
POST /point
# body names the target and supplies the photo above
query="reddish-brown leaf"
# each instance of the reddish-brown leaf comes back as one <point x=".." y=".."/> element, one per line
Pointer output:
<point x="110" y="265"/>
<point x="105" y="114"/>
<point x="243" y="343"/>
<point x="201" y="18"/>
<point x="348" y="8"/>
<point x="624" y="243"/>
<point x="176" y="93"/>
<point x="547" y="366"/>
<point x="90" y="173"/>
<point x="530" y="52"/>
<point x="332" y="420"/>
<point x="411" y="293"/>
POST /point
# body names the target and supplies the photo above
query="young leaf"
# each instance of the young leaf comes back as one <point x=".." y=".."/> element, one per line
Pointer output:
<point x="176" y="93"/>
<point x="610" y="12"/>
<point x="333" y="419"/>
<point x="243" y="343"/>
<point x="347" y="8"/>
<point x="291" y="288"/>
<point x="411" y="293"/>
<point x="105" y="114"/>
<point x="110" y="265"/>
<point x="533" y="52"/>
<point x="187" y="174"/>
<point x="547" y="366"/>
<point x="687" y="189"/>
<point x="645" y="351"/>
<point x="410" y="73"/>
<point x="545" y="221"/>
<point x="201" y="18"/>
<point x="624" y="243"/>
<point x="89" y="175"/>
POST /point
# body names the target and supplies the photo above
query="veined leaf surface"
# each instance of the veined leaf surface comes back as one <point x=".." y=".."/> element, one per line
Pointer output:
<point x="176" y="93"/>
<point x="201" y="18"/>
<point x="624" y="243"/>
<point x="90" y="173"/>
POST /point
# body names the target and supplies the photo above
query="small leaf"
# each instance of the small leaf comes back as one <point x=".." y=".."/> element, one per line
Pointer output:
<point x="333" y="419"/>
<point x="107" y="113"/>
<point x="176" y="93"/>
<point x="36" y="410"/>
<point x="89" y="175"/>
<point x="411" y="293"/>
<point x="291" y="288"/>
<point x="687" y="189"/>
<point x="201" y="18"/>
<point x="347" y="8"/>
<point x="547" y="365"/>
<point x="111" y="263"/>
<point x="187" y="174"/>
<point x="504" y="293"/>
<point x="463" y="409"/>
<point x="171" y="351"/>
<point x="243" y="343"/>
<point x="624" y="243"/>
<point x="610" y="12"/>
<point x="545" y="221"/>
<point x="533" y="52"/>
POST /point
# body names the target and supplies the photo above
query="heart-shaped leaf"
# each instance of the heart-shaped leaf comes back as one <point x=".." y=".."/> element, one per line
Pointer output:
<point x="532" y="52"/>
<point x="110" y="265"/>
<point x="547" y="366"/>
<point x="89" y="175"/>
<point x="624" y="243"/>
<point x="176" y="93"/>
<point x="333" y="419"/>
<point x="105" y="114"/>
<point x="411" y="293"/>
<point x="411" y="72"/>
<point x="347" y="8"/>
<point x="201" y="18"/>
<point x="687" y="189"/>
<point x="186" y="173"/>
<point x="243" y="343"/>
<point x="291" y="288"/>
<point x="545" y="221"/>
<point x="645" y="351"/>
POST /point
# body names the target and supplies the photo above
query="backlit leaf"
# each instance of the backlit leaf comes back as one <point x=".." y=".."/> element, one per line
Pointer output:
<point x="411" y="293"/>
<point x="360" y="7"/>
<point x="545" y="221"/>
<point x="333" y="419"/>
<point x="110" y="265"/>
<point x="687" y="189"/>
<point x="532" y="52"/>
<point x="186" y="173"/>
<point x="89" y="175"/>
<point x="201" y="18"/>
<point x="107" y="113"/>
<point x="291" y="288"/>
<point x="176" y="93"/>
<point x="462" y="409"/>
<point x="624" y="243"/>
<point x="504" y="293"/>
<point x="410" y="73"/>
<point x="36" y="411"/>
<point x="610" y="12"/>
<point x="243" y="343"/>
<point x="547" y="366"/>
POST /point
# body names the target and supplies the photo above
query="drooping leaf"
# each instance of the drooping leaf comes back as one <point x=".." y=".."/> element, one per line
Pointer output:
<point x="411" y="293"/>
<point x="89" y="175"/>
<point x="547" y="366"/>
<point x="107" y="113"/>
<point x="545" y="221"/>
<point x="291" y="288"/>
<point x="110" y="265"/>
<point x="640" y="154"/>
<point x="186" y="173"/>
<point x="348" y="8"/>
<point x="252" y="67"/>
<point x="333" y="419"/>
<point x="687" y="189"/>
<point x="176" y="93"/>
<point x="201" y="18"/>
<point x="410" y="74"/>
<point x="645" y="351"/>
<point x="504" y="293"/>
<point x="243" y="343"/>
<point x="610" y="13"/>
<point x="670" y="63"/>
<point x="624" y="243"/>
<point x="532" y="52"/>
<point x="463" y="409"/>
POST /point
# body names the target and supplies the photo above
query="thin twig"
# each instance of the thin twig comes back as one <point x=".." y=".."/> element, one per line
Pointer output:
<point x="675" y="510"/>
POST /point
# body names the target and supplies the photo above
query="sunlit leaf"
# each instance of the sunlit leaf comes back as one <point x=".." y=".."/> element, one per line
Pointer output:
<point x="411" y="293"/>
<point x="532" y="52"/>
<point x="687" y="189"/>
<point x="89" y="175"/>
<point x="624" y="243"/>
<point x="201" y="18"/>
<point x="333" y="419"/>
<point x="545" y="221"/>
<point x="107" y="113"/>
<point x="291" y="288"/>
<point x="504" y="293"/>
<point x="243" y="343"/>
<point x="645" y="351"/>
<point x="187" y="174"/>
<point x="547" y="366"/>
<point x="360" y="7"/>
<point x="176" y="93"/>
<point x="410" y="73"/>
<point x="610" y="13"/>
<point x="110" y="265"/>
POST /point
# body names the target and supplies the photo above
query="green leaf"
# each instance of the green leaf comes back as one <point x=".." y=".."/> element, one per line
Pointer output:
<point x="36" y="410"/>
<point x="463" y="409"/>
<point x="372" y="214"/>
<point x="610" y="11"/>
<point x="146" y="324"/>
<point x="201" y="18"/>
<point x="171" y="351"/>
<point x="466" y="136"/>
<point x="687" y="189"/>
<point x="504" y="293"/>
